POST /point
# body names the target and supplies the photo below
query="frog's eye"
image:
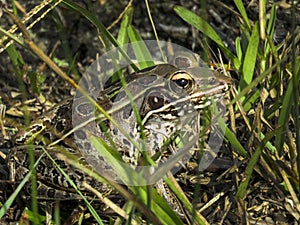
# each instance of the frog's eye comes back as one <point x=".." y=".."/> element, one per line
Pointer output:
<point x="183" y="80"/>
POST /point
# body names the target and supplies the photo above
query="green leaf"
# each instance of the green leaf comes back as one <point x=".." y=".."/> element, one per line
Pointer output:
<point x="240" y="5"/>
<point x="140" y="49"/>
<point x="250" y="100"/>
<point x="105" y="35"/>
<point x="206" y="29"/>
<point x="128" y="175"/>
<point x="284" y="117"/>
<point x="250" y="57"/>
<point x="242" y="189"/>
<point x="271" y="29"/>
<point x="16" y="192"/>
<point x="34" y="84"/>
<point x="32" y="217"/>
<point x="71" y="182"/>
<point x="123" y="34"/>
<point x="232" y="139"/>
<point x="238" y="48"/>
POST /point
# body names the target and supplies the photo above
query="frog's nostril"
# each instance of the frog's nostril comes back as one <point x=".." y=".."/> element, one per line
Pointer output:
<point x="212" y="80"/>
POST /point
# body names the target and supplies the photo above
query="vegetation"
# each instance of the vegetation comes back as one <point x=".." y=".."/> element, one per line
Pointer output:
<point x="262" y="137"/>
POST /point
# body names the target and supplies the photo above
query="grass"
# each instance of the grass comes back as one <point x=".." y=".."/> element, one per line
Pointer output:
<point x="265" y="104"/>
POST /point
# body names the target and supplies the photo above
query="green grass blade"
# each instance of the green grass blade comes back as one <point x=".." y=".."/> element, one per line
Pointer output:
<point x="255" y="82"/>
<point x="238" y="48"/>
<point x="10" y="200"/>
<point x="284" y="117"/>
<point x="235" y="143"/>
<point x="172" y="160"/>
<point x="39" y="219"/>
<point x="250" y="58"/>
<point x="125" y="172"/>
<point x="237" y="146"/>
<point x="163" y="210"/>
<point x="242" y="189"/>
<point x="123" y="34"/>
<point x="140" y="49"/>
<point x="71" y="182"/>
<point x="158" y="205"/>
<point x="14" y="55"/>
<point x="271" y="29"/>
<point x="199" y="23"/>
<point x="240" y="5"/>
<point x="106" y="36"/>
<point x="186" y="203"/>
<point x="154" y="31"/>
<point x="12" y="37"/>
<point x="206" y="29"/>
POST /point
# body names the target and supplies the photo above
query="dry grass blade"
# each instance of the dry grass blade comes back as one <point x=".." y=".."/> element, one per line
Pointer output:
<point x="109" y="203"/>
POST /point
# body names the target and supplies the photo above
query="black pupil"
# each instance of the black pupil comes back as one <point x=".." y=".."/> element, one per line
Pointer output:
<point x="182" y="82"/>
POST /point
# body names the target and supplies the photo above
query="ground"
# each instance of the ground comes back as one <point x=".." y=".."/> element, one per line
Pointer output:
<point x="73" y="43"/>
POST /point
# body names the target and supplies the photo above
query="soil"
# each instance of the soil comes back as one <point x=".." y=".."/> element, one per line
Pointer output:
<point x="265" y="202"/>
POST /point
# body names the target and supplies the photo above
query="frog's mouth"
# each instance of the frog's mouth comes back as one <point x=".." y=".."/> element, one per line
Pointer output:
<point x="203" y="98"/>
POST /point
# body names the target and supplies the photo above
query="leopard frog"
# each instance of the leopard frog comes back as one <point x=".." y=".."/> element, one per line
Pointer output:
<point x="163" y="96"/>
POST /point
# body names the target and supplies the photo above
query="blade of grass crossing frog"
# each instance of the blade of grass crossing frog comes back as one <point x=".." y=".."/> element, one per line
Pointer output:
<point x="157" y="205"/>
<point x="197" y="217"/>
<point x="125" y="172"/>
<point x="90" y="207"/>
<point x="145" y="60"/>
<point x="163" y="210"/>
<point x="173" y="160"/>
<point x="128" y="175"/>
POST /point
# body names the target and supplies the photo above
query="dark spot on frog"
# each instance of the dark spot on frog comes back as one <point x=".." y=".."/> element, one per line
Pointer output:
<point x="212" y="80"/>
<point x="127" y="112"/>
<point x="126" y="142"/>
<point x="119" y="96"/>
<point x="80" y="135"/>
<point x="80" y="146"/>
<point x="148" y="80"/>
<point x="51" y="193"/>
<point x="182" y="62"/>
<point x="115" y="131"/>
<point x="87" y="145"/>
<point x="85" y="109"/>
